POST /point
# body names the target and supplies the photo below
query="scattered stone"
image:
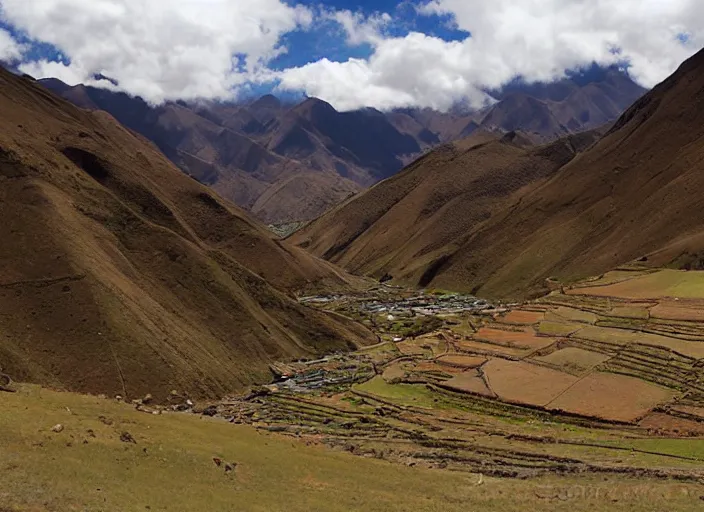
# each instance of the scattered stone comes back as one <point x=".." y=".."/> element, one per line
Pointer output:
<point x="57" y="428"/>
<point x="211" y="411"/>
<point x="126" y="437"/>
<point x="6" y="383"/>
<point x="217" y="461"/>
<point x="148" y="398"/>
<point x="230" y="466"/>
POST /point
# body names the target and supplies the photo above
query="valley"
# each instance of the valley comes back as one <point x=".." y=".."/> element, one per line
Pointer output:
<point x="588" y="397"/>
<point x="603" y="377"/>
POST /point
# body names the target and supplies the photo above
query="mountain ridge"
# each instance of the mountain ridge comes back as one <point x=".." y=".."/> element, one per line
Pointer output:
<point x="338" y="154"/>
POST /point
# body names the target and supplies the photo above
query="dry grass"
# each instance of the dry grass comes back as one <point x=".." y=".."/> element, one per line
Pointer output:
<point x="171" y="469"/>
<point x="557" y="329"/>
<point x="574" y="359"/>
<point x="665" y="283"/>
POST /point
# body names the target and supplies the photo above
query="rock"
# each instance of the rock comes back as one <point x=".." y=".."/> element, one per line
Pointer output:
<point x="230" y="466"/>
<point x="118" y="398"/>
<point x="211" y="411"/>
<point x="57" y="428"/>
<point x="126" y="437"/>
<point x="217" y="461"/>
<point x="105" y="421"/>
<point x="148" y="398"/>
<point x="6" y="383"/>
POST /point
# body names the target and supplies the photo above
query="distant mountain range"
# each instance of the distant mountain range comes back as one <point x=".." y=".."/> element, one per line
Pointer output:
<point x="292" y="162"/>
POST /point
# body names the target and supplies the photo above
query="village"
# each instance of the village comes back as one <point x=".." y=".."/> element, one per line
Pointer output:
<point x="398" y="302"/>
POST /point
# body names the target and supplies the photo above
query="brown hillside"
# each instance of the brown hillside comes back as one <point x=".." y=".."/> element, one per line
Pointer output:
<point x="120" y="274"/>
<point x="407" y="225"/>
<point x="545" y="212"/>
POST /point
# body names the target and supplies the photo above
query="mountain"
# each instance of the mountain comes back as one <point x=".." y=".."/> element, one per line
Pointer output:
<point x="281" y="163"/>
<point x="499" y="220"/>
<point x="120" y="274"/>
<point x="287" y="163"/>
<point x="543" y="111"/>
<point x="578" y="103"/>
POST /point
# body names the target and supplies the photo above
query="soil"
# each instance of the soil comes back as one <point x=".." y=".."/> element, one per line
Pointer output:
<point x="611" y="397"/>
<point x="524" y="383"/>
<point x="470" y="382"/>
<point x="525" y="339"/>
<point x="521" y="317"/>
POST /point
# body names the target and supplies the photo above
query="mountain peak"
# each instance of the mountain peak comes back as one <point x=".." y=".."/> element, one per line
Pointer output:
<point x="267" y="101"/>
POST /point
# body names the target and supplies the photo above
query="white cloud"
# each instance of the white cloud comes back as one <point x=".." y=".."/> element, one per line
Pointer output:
<point x="159" y="49"/>
<point x="414" y="70"/>
<point x="537" y="39"/>
<point x="187" y="49"/>
<point x="10" y="50"/>
<point x="359" y="28"/>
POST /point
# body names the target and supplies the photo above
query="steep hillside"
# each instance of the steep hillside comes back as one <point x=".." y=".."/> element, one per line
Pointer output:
<point x="120" y="274"/>
<point x="406" y="227"/>
<point x="539" y="213"/>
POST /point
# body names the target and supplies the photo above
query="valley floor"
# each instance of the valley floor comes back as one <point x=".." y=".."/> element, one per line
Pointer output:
<point x="591" y="398"/>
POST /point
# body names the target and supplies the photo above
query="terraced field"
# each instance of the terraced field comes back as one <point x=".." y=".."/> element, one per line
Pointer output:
<point x="592" y="379"/>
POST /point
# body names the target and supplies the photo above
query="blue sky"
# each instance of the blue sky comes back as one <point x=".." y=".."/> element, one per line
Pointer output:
<point x="325" y="39"/>
<point x="380" y="53"/>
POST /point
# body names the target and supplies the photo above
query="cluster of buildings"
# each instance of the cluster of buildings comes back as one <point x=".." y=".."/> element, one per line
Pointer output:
<point x="448" y="304"/>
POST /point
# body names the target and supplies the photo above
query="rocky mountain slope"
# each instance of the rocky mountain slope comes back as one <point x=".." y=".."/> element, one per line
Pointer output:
<point x="120" y="274"/>
<point x="287" y="163"/>
<point x="499" y="220"/>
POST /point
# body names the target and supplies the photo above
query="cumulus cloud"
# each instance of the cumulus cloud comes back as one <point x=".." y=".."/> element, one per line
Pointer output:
<point x="536" y="39"/>
<point x="188" y="49"/>
<point x="10" y="50"/>
<point x="360" y="28"/>
<point x="158" y="49"/>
